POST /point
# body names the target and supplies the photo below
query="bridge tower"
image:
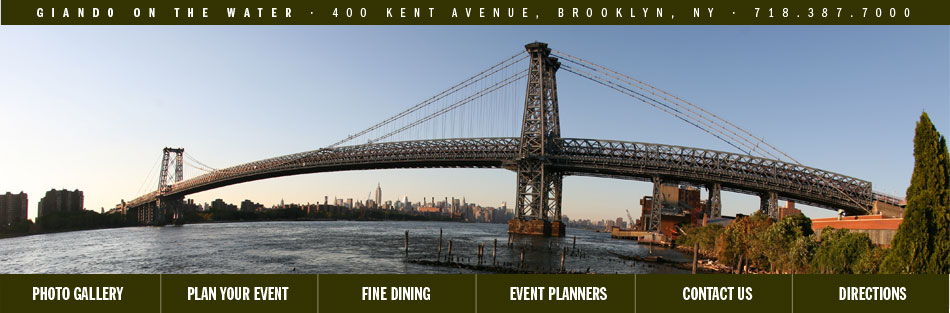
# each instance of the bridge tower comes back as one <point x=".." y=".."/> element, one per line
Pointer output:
<point x="165" y="203"/>
<point x="166" y="159"/>
<point x="538" y="191"/>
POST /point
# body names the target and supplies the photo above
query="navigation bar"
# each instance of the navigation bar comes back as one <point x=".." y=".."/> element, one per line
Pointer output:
<point x="201" y="293"/>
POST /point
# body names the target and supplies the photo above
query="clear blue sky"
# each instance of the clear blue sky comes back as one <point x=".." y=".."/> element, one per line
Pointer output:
<point x="91" y="107"/>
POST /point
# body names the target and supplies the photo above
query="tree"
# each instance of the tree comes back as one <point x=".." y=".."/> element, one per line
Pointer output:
<point x="801" y="254"/>
<point x="922" y="242"/>
<point x="705" y="236"/>
<point x="741" y="243"/>
<point x="870" y="262"/>
<point x="940" y="259"/>
<point x="840" y="251"/>
<point x="783" y="247"/>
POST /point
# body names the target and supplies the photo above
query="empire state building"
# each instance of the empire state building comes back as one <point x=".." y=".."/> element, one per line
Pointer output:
<point x="379" y="196"/>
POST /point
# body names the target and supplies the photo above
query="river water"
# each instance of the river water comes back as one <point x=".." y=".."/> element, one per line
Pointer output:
<point x="311" y="247"/>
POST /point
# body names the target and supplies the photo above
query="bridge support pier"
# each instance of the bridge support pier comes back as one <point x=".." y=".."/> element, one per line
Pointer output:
<point x="715" y="202"/>
<point x="172" y="207"/>
<point x="769" y="204"/>
<point x="536" y="227"/>
<point x="148" y="214"/>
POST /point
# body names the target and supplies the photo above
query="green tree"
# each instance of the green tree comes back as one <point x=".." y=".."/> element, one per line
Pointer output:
<point x="783" y="247"/>
<point x="940" y="259"/>
<point x="741" y="243"/>
<point x="870" y="262"/>
<point x="704" y="235"/>
<point x="840" y="251"/>
<point x="922" y="242"/>
<point x="801" y="254"/>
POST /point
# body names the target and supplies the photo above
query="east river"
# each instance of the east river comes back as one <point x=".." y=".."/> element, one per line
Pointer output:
<point x="313" y="247"/>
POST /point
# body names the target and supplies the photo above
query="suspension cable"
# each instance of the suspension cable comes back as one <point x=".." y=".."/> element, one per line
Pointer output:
<point x="193" y="159"/>
<point x="465" y="83"/>
<point x="148" y="175"/>
<point x="643" y="99"/>
<point x="569" y="58"/>
<point x="695" y="116"/>
<point x="507" y="81"/>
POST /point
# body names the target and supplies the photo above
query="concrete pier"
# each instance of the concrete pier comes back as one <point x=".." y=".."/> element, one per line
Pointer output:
<point x="536" y="227"/>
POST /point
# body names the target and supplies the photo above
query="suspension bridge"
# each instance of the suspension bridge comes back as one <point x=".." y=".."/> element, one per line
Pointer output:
<point x="447" y="131"/>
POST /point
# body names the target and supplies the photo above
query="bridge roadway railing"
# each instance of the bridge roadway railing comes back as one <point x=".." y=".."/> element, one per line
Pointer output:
<point x="733" y="171"/>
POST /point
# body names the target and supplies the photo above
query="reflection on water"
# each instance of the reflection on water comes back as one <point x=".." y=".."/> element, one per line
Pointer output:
<point x="308" y="247"/>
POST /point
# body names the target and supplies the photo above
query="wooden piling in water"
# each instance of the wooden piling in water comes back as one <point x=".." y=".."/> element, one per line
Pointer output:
<point x="563" y="252"/>
<point x="652" y="239"/>
<point x="495" y="247"/>
<point x="481" y="253"/>
<point x="407" y="243"/>
<point x="481" y="259"/>
<point x="449" y="255"/>
<point x="438" y="256"/>
<point x="522" y="259"/>
<point x="574" y="245"/>
<point x="478" y="254"/>
<point x="509" y="240"/>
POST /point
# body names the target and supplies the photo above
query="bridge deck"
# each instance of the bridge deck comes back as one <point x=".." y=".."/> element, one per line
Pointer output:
<point x="619" y="159"/>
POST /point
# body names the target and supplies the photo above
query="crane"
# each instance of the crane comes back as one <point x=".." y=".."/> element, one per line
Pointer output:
<point x="629" y="217"/>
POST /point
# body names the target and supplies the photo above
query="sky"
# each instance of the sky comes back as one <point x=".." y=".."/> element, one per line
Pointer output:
<point x="90" y="107"/>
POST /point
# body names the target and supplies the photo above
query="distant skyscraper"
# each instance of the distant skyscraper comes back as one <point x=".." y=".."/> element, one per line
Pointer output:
<point x="379" y="195"/>
<point x="60" y="201"/>
<point x="13" y="208"/>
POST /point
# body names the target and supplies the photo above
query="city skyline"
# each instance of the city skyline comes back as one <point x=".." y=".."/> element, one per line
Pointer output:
<point x="836" y="83"/>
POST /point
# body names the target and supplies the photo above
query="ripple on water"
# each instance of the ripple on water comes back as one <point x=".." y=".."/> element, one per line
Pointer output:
<point x="308" y="247"/>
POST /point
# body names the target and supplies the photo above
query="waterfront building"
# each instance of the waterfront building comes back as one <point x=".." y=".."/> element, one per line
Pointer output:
<point x="428" y="209"/>
<point x="220" y="205"/>
<point x="788" y="210"/>
<point x="60" y="201"/>
<point x="250" y="206"/>
<point x="13" y="208"/>
<point x="880" y="228"/>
